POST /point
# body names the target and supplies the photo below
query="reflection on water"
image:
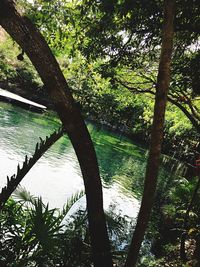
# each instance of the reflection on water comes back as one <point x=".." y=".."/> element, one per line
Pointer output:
<point x="57" y="175"/>
<point x="120" y="161"/>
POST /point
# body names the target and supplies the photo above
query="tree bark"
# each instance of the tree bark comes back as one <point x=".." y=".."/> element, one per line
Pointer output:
<point x="156" y="135"/>
<point x="34" y="45"/>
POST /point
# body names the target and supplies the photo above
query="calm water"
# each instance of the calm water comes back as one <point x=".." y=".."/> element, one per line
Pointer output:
<point x="56" y="176"/>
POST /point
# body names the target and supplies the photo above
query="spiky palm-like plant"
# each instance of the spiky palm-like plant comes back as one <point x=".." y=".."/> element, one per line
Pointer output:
<point x="31" y="232"/>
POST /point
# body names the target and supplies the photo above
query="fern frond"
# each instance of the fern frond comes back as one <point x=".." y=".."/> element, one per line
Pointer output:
<point x="28" y="163"/>
<point x="22" y="195"/>
<point x="70" y="202"/>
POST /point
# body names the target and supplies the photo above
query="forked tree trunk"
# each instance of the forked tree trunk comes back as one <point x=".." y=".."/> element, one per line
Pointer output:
<point x="34" y="45"/>
<point x="156" y="135"/>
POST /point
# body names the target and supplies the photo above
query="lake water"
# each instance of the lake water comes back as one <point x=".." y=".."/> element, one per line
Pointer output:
<point x="57" y="176"/>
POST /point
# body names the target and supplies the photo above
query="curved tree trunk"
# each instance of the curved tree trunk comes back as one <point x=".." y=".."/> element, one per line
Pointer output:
<point x="156" y="135"/>
<point x="34" y="45"/>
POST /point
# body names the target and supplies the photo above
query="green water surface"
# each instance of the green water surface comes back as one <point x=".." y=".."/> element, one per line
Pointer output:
<point x="56" y="176"/>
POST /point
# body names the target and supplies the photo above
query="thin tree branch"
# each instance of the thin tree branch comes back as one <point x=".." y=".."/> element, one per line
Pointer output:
<point x="193" y="119"/>
<point x="152" y="168"/>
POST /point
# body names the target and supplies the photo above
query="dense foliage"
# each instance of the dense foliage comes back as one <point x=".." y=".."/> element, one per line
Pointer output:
<point x="32" y="234"/>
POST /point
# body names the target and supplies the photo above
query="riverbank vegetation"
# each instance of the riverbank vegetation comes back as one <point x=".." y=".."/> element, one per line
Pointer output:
<point x="110" y="55"/>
